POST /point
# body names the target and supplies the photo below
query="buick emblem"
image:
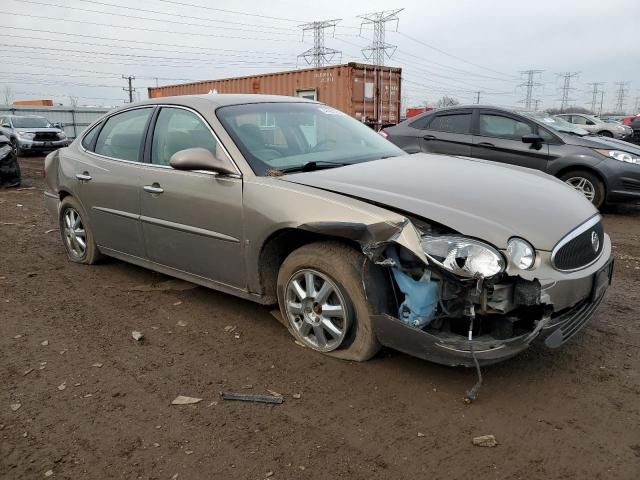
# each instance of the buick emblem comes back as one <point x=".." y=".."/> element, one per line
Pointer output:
<point x="595" y="241"/>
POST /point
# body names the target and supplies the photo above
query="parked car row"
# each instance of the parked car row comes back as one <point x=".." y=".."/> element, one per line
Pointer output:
<point x="602" y="168"/>
<point x="281" y="200"/>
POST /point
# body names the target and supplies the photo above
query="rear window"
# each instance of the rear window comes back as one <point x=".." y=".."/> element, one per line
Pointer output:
<point x="452" y="123"/>
<point x="88" y="140"/>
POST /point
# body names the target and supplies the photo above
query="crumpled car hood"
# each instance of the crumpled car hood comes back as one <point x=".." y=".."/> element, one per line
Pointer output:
<point x="482" y="199"/>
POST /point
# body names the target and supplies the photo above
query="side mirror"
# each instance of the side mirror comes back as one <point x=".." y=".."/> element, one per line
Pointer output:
<point x="532" y="138"/>
<point x="58" y="125"/>
<point x="198" y="159"/>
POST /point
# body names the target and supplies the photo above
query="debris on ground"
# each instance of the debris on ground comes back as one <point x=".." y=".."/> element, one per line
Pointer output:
<point x="51" y="230"/>
<point x="177" y="303"/>
<point x="44" y="343"/>
<point x="97" y="365"/>
<point x="27" y="372"/>
<point x="250" y="397"/>
<point x="15" y="407"/>
<point x="42" y="365"/>
<point x="229" y="328"/>
<point x="137" y="336"/>
<point x="268" y="474"/>
<point x="188" y="452"/>
<point x="48" y="473"/>
<point x="17" y="336"/>
<point x="485" y="441"/>
<point x="420" y="435"/>
<point x="297" y="396"/>
<point x="62" y="386"/>
<point x="181" y="323"/>
<point x="174" y="285"/>
<point x="183" y="400"/>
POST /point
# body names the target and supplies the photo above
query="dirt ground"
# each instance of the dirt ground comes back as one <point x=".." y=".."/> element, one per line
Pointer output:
<point x="572" y="413"/>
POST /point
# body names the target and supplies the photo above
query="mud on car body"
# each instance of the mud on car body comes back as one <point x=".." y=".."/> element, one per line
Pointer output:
<point x="287" y="201"/>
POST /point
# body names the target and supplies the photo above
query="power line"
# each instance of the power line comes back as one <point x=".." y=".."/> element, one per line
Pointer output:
<point x="595" y="92"/>
<point x="319" y="55"/>
<point x="620" y="96"/>
<point x="566" y="88"/>
<point x="529" y="84"/>
<point x="379" y="48"/>
<point x="130" y="88"/>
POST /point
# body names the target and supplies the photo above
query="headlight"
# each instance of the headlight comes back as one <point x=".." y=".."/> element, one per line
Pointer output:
<point x="619" y="155"/>
<point x="61" y="135"/>
<point x="464" y="256"/>
<point x="521" y="254"/>
<point x="27" y="135"/>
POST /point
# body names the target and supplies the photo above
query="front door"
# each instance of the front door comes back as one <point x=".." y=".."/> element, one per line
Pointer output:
<point x="499" y="139"/>
<point x="192" y="221"/>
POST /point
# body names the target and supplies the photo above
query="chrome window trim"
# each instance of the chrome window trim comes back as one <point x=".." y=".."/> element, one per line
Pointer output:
<point x="238" y="173"/>
<point x="570" y="236"/>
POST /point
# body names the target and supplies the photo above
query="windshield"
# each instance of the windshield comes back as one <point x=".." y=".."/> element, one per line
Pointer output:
<point x="557" y="123"/>
<point x="30" y="122"/>
<point x="279" y="137"/>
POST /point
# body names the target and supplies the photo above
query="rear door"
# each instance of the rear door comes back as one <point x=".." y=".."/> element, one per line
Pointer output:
<point x="192" y="220"/>
<point x="449" y="133"/>
<point x="107" y="180"/>
<point x="499" y="138"/>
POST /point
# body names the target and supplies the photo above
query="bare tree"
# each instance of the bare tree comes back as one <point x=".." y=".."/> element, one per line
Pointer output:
<point x="7" y="95"/>
<point x="73" y="101"/>
<point x="446" y="101"/>
<point x="570" y="109"/>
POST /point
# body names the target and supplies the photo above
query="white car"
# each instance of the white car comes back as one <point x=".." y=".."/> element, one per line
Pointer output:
<point x="597" y="126"/>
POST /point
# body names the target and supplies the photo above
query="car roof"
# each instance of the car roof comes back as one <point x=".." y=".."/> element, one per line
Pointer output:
<point x="22" y="116"/>
<point x="216" y="100"/>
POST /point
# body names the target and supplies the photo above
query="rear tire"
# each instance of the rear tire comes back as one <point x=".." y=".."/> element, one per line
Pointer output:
<point x="586" y="183"/>
<point x="606" y="133"/>
<point x="350" y="337"/>
<point x="17" y="149"/>
<point x="76" y="233"/>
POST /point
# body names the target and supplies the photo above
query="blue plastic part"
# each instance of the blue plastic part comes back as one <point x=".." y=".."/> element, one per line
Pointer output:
<point x="420" y="296"/>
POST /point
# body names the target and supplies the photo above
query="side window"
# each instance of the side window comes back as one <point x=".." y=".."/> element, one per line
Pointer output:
<point x="178" y="129"/>
<point x="578" y="120"/>
<point x="503" y="127"/>
<point x="452" y="123"/>
<point x="122" y="135"/>
<point x="421" y="123"/>
<point x="546" y="135"/>
<point x="87" y="141"/>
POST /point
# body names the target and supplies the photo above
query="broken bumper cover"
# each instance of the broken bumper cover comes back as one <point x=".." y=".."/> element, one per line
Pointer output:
<point x="551" y="331"/>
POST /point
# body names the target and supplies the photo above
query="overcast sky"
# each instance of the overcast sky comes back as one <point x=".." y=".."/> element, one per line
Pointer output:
<point x="81" y="48"/>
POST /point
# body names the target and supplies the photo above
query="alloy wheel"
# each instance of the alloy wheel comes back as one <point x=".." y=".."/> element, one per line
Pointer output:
<point x="316" y="310"/>
<point x="74" y="233"/>
<point x="584" y="186"/>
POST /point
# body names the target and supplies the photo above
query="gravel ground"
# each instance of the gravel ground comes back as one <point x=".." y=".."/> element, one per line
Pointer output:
<point x="96" y="404"/>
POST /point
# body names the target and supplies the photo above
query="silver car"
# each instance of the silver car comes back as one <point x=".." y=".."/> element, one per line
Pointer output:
<point x="288" y="201"/>
<point x="597" y="126"/>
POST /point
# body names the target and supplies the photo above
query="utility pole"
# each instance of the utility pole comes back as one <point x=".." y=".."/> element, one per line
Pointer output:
<point x="601" y="102"/>
<point x="319" y="55"/>
<point x="566" y="88"/>
<point x="636" y="109"/>
<point x="529" y="84"/>
<point x="130" y="88"/>
<point x="594" y="92"/>
<point x="378" y="48"/>
<point x="620" y="96"/>
<point x="478" y="97"/>
<point x="536" y="103"/>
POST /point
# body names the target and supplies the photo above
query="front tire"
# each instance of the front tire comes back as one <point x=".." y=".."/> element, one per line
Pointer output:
<point x="586" y="183"/>
<point x="606" y="133"/>
<point x="322" y="301"/>
<point x="76" y="234"/>
<point x="16" y="147"/>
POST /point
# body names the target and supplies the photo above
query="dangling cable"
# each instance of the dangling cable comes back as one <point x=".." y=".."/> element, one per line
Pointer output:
<point x="472" y="394"/>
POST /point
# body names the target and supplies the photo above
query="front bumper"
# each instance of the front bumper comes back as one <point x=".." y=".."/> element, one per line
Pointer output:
<point x="583" y="294"/>
<point x="623" y="181"/>
<point x="52" y="203"/>
<point x="38" y="146"/>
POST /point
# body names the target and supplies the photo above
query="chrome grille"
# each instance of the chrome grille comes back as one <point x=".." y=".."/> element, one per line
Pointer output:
<point x="46" y="136"/>
<point x="581" y="247"/>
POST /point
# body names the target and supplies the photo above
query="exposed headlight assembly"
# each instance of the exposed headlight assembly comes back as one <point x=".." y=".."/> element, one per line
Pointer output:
<point x="463" y="256"/>
<point x="27" y="135"/>
<point x="521" y="254"/>
<point x="619" y="155"/>
<point x="61" y="135"/>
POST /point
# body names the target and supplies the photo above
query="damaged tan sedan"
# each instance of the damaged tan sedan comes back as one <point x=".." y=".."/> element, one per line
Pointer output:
<point x="282" y="200"/>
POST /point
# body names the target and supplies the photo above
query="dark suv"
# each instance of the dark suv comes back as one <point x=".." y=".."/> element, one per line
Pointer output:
<point x="603" y="169"/>
<point x="31" y="133"/>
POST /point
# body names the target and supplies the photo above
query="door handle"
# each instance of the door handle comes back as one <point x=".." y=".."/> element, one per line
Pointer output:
<point x="155" y="188"/>
<point x="429" y="137"/>
<point x="83" y="177"/>
<point x="485" y="144"/>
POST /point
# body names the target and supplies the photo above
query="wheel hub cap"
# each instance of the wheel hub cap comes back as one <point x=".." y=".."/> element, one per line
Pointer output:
<point x="584" y="186"/>
<point x="74" y="232"/>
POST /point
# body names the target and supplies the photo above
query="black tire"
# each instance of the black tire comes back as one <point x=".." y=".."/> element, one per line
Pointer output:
<point x="599" y="189"/>
<point x="19" y="152"/>
<point x="90" y="254"/>
<point x="606" y="133"/>
<point x="344" y="267"/>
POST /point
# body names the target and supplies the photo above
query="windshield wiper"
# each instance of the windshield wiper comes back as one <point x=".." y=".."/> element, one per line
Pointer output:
<point x="311" y="166"/>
